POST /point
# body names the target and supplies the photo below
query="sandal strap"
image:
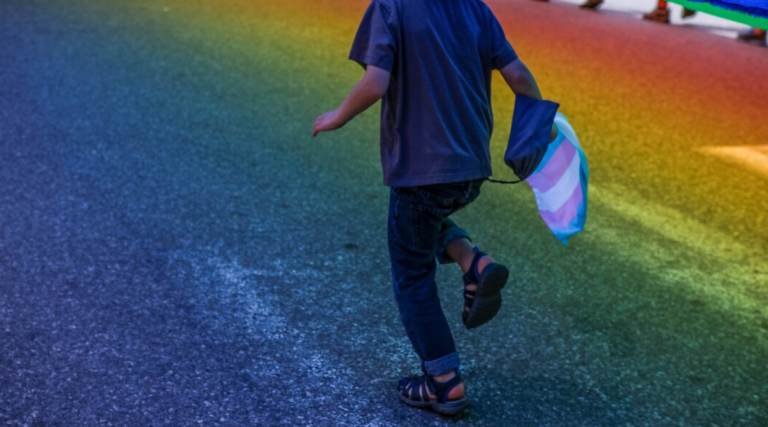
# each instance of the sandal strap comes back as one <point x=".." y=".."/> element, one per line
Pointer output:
<point x="441" y="390"/>
<point x="469" y="297"/>
<point x="420" y="388"/>
<point x="430" y="386"/>
<point x="469" y="278"/>
<point x="472" y="275"/>
<point x="416" y="388"/>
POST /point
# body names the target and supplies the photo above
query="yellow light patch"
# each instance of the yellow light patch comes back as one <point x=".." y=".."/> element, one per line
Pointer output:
<point x="754" y="157"/>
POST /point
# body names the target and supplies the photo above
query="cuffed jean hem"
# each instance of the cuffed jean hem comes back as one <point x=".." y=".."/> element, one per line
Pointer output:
<point x="450" y="233"/>
<point x="442" y="365"/>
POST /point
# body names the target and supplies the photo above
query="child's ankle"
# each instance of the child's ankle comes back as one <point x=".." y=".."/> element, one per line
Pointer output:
<point x="445" y="377"/>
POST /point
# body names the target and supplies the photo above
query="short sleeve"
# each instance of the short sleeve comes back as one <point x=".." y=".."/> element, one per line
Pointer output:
<point x="375" y="42"/>
<point x="502" y="52"/>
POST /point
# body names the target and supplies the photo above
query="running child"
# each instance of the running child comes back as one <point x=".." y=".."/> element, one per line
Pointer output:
<point x="430" y="63"/>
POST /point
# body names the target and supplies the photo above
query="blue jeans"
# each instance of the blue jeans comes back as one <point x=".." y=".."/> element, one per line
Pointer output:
<point x="418" y="232"/>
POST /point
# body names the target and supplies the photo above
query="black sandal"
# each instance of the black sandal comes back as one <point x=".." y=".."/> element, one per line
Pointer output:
<point x="423" y="386"/>
<point x="485" y="301"/>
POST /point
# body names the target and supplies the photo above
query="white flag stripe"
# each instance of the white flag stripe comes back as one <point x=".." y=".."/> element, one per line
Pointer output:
<point x="553" y="199"/>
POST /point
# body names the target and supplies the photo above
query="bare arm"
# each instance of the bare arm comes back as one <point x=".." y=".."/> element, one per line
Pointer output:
<point x="365" y="93"/>
<point x="521" y="81"/>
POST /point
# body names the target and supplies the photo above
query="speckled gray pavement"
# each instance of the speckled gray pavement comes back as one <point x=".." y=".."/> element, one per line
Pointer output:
<point x="176" y="251"/>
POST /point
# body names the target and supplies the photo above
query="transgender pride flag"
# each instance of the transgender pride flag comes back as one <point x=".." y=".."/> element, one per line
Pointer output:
<point x="560" y="183"/>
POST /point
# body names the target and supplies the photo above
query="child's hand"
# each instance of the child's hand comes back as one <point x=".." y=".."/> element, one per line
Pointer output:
<point x="327" y="122"/>
<point x="553" y="133"/>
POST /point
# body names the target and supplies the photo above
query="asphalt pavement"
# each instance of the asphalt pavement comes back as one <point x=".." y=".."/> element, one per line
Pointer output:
<point x="176" y="250"/>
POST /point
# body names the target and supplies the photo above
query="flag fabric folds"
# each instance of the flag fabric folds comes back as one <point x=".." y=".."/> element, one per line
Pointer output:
<point x="560" y="182"/>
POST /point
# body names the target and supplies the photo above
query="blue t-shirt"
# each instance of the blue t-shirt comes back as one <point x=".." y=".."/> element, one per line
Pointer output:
<point x="436" y="118"/>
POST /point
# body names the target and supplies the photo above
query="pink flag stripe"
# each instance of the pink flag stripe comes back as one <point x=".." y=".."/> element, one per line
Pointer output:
<point x="552" y="199"/>
<point x="562" y="217"/>
<point x="551" y="173"/>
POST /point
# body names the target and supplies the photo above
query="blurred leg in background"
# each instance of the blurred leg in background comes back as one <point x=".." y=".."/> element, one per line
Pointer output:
<point x="591" y="4"/>
<point x="661" y="13"/>
<point x="755" y="36"/>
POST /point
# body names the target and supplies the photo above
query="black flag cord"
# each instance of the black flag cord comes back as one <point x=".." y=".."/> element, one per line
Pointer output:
<point x="505" y="182"/>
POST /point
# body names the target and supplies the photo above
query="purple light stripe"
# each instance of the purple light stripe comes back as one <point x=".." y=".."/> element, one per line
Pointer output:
<point x="556" y="196"/>
<point x="553" y="171"/>
<point x="563" y="217"/>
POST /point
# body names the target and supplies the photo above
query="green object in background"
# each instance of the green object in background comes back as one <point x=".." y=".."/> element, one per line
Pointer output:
<point x="732" y="15"/>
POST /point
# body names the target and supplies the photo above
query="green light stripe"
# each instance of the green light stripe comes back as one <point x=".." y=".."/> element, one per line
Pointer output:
<point x="732" y="15"/>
